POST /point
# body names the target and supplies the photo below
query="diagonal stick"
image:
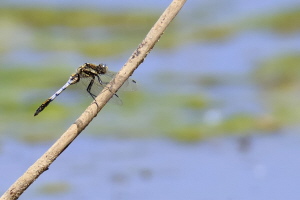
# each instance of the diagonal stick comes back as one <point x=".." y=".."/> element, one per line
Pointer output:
<point x="138" y="56"/>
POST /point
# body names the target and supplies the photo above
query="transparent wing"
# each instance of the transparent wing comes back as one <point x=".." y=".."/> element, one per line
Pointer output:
<point x="129" y="85"/>
<point x="97" y="88"/>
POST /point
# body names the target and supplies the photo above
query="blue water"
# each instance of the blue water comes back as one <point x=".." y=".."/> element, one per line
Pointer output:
<point x="256" y="167"/>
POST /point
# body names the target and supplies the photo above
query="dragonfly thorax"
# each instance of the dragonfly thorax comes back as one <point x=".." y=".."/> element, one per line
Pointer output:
<point x="91" y="70"/>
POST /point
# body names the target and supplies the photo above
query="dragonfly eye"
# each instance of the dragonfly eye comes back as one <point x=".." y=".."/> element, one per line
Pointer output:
<point x="103" y="68"/>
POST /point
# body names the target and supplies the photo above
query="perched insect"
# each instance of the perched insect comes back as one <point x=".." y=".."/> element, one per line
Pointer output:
<point x="97" y="77"/>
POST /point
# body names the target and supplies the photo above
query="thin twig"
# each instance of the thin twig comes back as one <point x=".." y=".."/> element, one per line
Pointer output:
<point x="75" y="129"/>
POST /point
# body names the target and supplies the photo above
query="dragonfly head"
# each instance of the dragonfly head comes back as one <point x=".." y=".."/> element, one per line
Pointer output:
<point x="74" y="78"/>
<point x="102" y="68"/>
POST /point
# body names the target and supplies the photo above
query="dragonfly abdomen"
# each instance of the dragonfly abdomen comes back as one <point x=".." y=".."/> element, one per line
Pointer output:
<point x="43" y="106"/>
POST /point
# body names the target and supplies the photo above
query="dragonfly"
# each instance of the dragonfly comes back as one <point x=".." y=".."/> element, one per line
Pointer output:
<point x="96" y="77"/>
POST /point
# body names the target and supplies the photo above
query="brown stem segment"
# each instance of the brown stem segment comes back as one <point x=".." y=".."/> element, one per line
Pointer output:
<point x="138" y="56"/>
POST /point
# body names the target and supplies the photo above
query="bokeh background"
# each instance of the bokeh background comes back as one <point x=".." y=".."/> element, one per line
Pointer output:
<point x="216" y="115"/>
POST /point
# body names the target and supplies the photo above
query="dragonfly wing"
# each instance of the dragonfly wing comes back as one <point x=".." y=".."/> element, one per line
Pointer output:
<point x="97" y="88"/>
<point x="129" y="85"/>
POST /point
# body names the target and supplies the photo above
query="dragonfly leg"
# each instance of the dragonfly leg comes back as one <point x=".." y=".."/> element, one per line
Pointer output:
<point x="90" y="87"/>
<point x="99" y="79"/>
<point x="103" y="84"/>
<point x="89" y="90"/>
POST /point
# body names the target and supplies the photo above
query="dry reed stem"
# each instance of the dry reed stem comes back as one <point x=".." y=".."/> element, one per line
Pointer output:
<point x="138" y="56"/>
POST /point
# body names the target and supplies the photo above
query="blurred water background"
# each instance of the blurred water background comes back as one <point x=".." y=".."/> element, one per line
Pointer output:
<point x="215" y="117"/>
